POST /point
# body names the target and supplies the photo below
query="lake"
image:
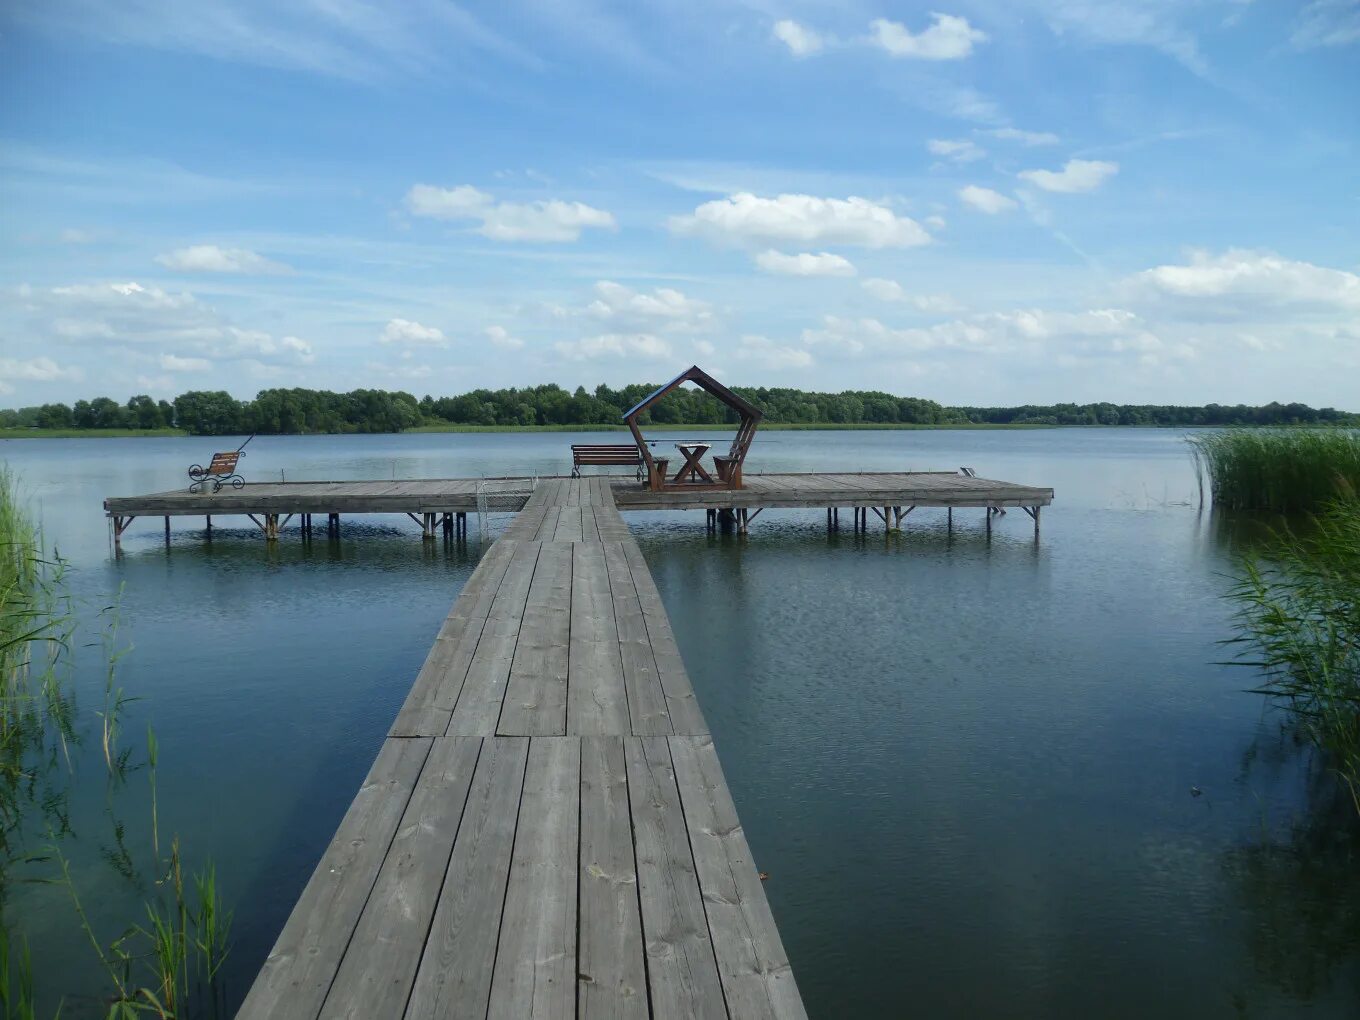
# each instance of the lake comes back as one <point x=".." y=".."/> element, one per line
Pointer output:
<point x="985" y="779"/>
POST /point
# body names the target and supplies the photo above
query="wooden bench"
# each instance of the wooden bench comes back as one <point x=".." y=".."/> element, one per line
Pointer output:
<point x="221" y="470"/>
<point x="604" y="455"/>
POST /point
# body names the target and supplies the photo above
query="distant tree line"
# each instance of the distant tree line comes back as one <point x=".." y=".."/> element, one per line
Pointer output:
<point x="292" y="411"/>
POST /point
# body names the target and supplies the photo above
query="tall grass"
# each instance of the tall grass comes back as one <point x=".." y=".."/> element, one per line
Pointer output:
<point x="1298" y="621"/>
<point x="1277" y="469"/>
<point x="165" y="963"/>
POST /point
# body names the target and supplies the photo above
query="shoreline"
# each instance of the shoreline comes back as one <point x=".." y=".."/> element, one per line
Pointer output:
<point x="170" y="433"/>
<point x="433" y="429"/>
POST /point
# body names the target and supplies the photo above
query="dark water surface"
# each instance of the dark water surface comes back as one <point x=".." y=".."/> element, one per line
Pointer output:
<point x="966" y="767"/>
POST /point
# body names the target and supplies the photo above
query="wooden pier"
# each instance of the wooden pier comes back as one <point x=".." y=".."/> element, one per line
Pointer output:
<point x="437" y="504"/>
<point x="546" y="831"/>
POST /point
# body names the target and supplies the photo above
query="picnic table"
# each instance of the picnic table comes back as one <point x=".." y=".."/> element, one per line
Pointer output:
<point x="693" y="468"/>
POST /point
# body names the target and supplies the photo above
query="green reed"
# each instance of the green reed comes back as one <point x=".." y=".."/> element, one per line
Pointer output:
<point x="1298" y="620"/>
<point x="167" y="964"/>
<point x="1277" y="469"/>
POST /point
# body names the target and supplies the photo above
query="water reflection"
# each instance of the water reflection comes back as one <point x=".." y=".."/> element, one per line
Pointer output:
<point x="1298" y="881"/>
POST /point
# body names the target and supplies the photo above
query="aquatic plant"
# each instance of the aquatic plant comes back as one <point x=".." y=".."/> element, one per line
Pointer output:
<point x="1298" y="620"/>
<point x="166" y="965"/>
<point x="1277" y="469"/>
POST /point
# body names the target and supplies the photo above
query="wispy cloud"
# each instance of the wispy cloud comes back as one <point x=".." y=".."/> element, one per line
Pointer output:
<point x="356" y="39"/>
<point x="209" y="258"/>
<point x="1076" y="175"/>
<point x="800" y="40"/>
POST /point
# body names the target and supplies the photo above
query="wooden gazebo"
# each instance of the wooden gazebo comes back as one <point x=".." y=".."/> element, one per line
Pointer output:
<point x="729" y="466"/>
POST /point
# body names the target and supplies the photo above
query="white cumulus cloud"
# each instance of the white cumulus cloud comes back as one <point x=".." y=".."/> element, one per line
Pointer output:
<point x="411" y="334"/>
<point x="544" y="220"/>
<point x="959" y="151"/>
<point x="209" y="258"/>
<point x="1076" y="175"/>
<point x="1108" y="330"/>
<point x="948" y="37"/>
<point x="804" y="264"/>
<point x="174" y="363"/>
<point x="663" y="308"/>
<point x="40" y="369"/>
<point x="1250" y="283"/>
<point x="801" y="41"/>
<point x="614" y="345"/>
<point x="500" y="337"/>
<point x="891" y="290"/>
<point x="764" y="352"/>
<point x="802" y="219"/>
<point x="985" y="199"/>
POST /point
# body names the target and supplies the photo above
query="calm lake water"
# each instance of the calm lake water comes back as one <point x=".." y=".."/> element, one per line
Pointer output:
<point x="968" y="768"/>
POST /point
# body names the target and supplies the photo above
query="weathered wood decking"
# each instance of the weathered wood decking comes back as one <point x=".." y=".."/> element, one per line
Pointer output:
<point x="546" y="831"/>
<point x="461" y="495"/>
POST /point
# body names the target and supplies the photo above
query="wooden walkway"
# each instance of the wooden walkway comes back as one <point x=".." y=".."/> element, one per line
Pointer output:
<point x="546" y="831"/>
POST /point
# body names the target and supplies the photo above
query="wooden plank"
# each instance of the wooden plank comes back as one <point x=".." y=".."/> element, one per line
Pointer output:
<point x="478" y="708"/>
<point x="611" y="978"/>
<point x="646" y="699"/>
<point x="535" y="973"/>
<point x="568" y="524"/>
<point x="681" y="705"/>
<point x="381" y="961"/>
<point x="547" y="524"/>
<point x="596" y="699"/>
<point x="590" y="529"/>
<point x="536" y="692"/>
<point x="756" y="976"/>
<point x="298" y="972"/>
<point x="681" y="971"/>
<point x="430" y="702"/>
<point x="455" y="971"/>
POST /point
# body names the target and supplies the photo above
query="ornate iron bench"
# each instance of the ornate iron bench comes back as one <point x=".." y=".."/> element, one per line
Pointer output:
<point x="221" y="470"/>
<point x="604" y="455"/>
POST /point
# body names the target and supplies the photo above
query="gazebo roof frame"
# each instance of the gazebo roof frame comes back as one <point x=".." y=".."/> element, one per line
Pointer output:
<point x="704" y="381"/>
<point x="729" y="466"/>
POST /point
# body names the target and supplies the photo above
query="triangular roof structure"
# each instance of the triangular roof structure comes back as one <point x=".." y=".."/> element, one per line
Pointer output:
<point x="704" y="381"/>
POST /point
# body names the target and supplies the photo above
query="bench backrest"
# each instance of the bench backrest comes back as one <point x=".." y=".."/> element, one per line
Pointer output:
<point x="602" y="454"/>
<point x="224" y="463"/>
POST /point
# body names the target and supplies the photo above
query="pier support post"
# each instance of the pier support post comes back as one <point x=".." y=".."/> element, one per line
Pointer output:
<point x="333" y="525"/>
<point x="271" y="527"/>
<point x="120" y="525"/>
<point x="167" y="529"/>
<point x="989" y="523"/>
<point x="949" y="519"/>
<point x="836" y="517"/>
<point x="727" y="518"/>
<point x="208" y="525"/>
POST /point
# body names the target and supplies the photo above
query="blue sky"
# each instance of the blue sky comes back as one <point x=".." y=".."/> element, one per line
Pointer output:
<point x="978" y="202"/>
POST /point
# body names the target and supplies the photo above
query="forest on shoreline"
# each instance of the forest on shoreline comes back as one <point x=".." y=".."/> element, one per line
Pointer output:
<point x="304" y="411"/>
